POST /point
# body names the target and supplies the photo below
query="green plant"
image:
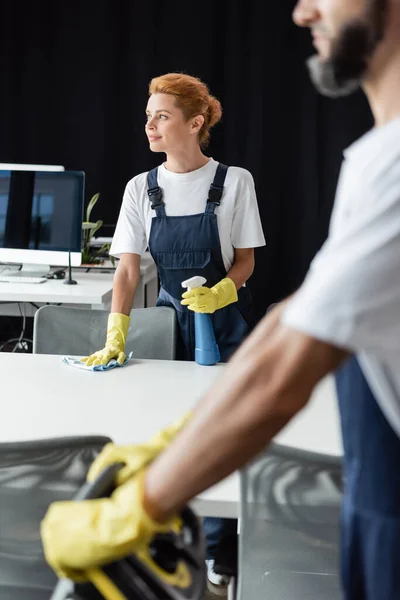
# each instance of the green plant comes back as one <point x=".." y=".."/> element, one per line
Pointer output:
<point x="91" y="255"/>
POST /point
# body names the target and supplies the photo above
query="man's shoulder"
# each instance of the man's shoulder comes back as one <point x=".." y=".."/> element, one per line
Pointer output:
<point x="383" y="176"/>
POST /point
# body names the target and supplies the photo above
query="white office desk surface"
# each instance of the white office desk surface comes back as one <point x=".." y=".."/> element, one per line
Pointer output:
<point x="92" y="289"/>
<point x="317" y="427"/>
<point x="43" y="398"/>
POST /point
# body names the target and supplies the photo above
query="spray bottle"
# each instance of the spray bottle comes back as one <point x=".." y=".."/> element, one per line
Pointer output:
<point x="206" y="349"/>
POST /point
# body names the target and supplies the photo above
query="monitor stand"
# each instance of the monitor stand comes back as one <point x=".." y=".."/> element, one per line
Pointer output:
<point x="31" y="270"/>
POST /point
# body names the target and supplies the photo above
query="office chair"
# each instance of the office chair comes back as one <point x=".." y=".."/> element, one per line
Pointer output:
<point x="289" y="538"/>
<point x="34" y="474"/>
<point x="80" y="331"/>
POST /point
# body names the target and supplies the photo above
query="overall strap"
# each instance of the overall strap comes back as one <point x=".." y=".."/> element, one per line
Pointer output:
<point x="155" y="194"/>
<point x="216" y="189"/>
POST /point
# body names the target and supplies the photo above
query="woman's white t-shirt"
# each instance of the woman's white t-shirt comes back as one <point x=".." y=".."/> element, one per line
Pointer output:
<point x="238" y="216"/>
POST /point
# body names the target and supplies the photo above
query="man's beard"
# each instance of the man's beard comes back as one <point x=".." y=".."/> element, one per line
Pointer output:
<point x="343" y="73"/>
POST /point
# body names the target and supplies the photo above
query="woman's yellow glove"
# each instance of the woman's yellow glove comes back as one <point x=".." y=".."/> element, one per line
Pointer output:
<point x="137" y="456"/>
<point x="80" y="536"/>
<point x="117" y="331"/>
<point x="208" y="300"/>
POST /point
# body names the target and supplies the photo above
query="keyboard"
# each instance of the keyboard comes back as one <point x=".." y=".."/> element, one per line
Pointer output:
<point x="21" y="279"/>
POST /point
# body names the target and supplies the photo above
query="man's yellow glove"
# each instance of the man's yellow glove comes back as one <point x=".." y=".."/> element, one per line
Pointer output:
<point x="80" y="536"/>
<point x="137" y="456"/>
<point x="117" y="331"/>
<point x="208" y="300"/>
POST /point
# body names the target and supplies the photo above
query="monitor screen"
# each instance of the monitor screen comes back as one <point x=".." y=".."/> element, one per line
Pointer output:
<point x="41" y="211"/>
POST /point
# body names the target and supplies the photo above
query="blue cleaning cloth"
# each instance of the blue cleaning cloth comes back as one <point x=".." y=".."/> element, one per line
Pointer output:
<point x="72" y="361"/>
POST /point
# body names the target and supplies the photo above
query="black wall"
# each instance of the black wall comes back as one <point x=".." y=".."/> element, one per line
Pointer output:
<point x="74" y="79"/>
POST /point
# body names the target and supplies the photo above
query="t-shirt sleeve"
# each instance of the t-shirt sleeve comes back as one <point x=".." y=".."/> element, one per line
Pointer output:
<point x="351" y="295"/>
<point x="247" y="230"/>
<point x="130" y="233"/>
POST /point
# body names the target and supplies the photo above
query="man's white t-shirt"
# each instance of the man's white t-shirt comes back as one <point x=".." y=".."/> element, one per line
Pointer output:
<point x="238" y="217"/>
<point x="351" y="295"/>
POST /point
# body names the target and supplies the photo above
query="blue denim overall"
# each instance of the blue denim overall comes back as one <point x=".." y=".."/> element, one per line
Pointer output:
<point x="183" y="247"/>
<point x="371" y="504"/>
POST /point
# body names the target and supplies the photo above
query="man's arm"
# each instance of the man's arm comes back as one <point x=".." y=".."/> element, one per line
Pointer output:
<point x="269" y="379"/>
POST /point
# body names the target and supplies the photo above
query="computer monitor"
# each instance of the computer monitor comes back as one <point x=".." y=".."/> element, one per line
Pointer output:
<point x="26" y="167"/>
<point x="41" y="215"/>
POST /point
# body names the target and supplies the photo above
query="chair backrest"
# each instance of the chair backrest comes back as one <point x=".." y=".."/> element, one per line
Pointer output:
<point x="32" y="476"/>
<point x="288" y="545"/>
<point x="80" y="331"/>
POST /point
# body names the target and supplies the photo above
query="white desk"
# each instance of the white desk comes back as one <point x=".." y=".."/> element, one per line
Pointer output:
<point x="94" y="290"/>
<point x="317" y="427"/>
<point x="43" y="398"/>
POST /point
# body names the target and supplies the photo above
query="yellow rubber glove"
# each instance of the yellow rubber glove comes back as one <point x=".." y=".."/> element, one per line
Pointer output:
<point x="117" y="330"/>
<point x="208" y="300"/>
<point x="137" y="456"/>
<point x="80" y="536"/>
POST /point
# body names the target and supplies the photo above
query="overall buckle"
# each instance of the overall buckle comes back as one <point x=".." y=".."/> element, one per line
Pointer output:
<point x="155" y="197"/>
<point x="215" y="194"/>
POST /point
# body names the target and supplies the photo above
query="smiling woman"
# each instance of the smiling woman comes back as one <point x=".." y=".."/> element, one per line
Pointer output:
<point x="196" y="216"/>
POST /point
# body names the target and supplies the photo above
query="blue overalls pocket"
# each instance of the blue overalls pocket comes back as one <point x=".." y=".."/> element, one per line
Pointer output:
<point x="184" y="266"/>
